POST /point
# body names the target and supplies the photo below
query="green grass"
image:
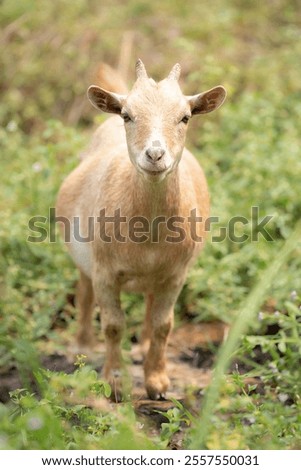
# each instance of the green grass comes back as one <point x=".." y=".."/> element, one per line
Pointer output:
<point x="239" y="328"/>
<point x="250" y="151"/>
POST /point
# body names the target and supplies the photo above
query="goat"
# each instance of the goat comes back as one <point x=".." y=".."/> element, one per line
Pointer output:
<point x="137" y="188"/>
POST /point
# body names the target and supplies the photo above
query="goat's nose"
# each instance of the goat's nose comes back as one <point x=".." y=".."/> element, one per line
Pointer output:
<point x="154" y="154"/>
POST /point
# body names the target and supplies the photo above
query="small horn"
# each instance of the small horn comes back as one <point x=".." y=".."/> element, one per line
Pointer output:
<point x="175" y="72"/>
<point x="140" y="69"/>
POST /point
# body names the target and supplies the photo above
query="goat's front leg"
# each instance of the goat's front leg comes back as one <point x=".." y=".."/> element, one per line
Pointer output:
<point x="112" y="320"/>
<point x="161" y="313"/>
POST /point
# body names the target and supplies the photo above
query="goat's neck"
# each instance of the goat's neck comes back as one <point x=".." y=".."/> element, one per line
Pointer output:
<point x="155" y="199"/>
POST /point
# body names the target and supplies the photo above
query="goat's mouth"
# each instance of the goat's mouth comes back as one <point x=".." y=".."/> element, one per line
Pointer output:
<point x="153" y="172"/>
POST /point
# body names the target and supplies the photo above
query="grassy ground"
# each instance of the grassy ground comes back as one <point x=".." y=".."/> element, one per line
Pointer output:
<point x="250" y="150"/>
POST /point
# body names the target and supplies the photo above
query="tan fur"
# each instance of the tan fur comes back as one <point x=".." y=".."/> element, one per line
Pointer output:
<point x="117" y="173"/>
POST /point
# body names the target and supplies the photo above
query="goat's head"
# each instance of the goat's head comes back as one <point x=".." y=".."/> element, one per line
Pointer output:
<point x="156" y="117"/>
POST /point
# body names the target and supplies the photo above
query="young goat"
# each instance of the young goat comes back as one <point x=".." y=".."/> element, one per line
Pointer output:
<point x="135" y="200"/>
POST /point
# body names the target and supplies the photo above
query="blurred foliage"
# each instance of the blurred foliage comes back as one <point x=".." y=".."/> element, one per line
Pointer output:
<point x="250" y="150"/>
<point x="71" y="413"/>
<point x="263" y="414"/>
<point x="52" y="49"/>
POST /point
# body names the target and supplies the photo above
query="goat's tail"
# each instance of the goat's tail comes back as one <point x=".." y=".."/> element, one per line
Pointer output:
<point x="110" y="79"/>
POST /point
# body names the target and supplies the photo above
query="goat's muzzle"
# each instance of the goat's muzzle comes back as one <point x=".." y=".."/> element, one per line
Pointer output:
<point x="154" y="154"/>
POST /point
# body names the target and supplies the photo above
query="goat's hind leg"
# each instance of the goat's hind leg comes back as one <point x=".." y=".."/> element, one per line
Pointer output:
<point x="85" y="304"/>
<point x="147" y="325"/>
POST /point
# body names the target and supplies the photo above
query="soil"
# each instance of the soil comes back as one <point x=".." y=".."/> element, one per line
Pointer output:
<point x="191" y="354"/>
<point x="190" y="358"/>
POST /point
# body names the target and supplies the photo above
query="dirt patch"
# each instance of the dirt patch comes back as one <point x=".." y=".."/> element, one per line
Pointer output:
<point x="191" y="353"/>
<point x="190" y="357"/>
<point x="9" y="381"/>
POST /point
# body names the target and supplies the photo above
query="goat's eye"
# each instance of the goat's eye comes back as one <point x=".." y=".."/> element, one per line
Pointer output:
<point x="185" y="119"/>
<point x="126" y="117"/>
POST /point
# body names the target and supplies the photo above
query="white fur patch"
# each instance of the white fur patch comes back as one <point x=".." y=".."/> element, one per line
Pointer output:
<point x="81" y="253"/>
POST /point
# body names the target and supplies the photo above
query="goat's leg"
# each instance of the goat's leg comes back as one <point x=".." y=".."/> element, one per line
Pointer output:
<point x="85" y="303"/>
<point x="112" y="321"/>
<point x="147" y="325"/>
<point x="161" y="314"/>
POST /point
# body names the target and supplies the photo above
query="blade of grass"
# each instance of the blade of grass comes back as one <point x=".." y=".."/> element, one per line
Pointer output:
<point x="199" y="433"/>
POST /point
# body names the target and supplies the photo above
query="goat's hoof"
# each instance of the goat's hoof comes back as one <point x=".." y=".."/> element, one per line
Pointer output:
<point x="116" y="393"/>
<point x="115" y="381"/>
<point x="156" y="385"/>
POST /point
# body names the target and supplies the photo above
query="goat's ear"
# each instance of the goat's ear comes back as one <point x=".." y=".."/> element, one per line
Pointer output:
<point x="107" y="101"/>
<point x="207" y="101"/>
